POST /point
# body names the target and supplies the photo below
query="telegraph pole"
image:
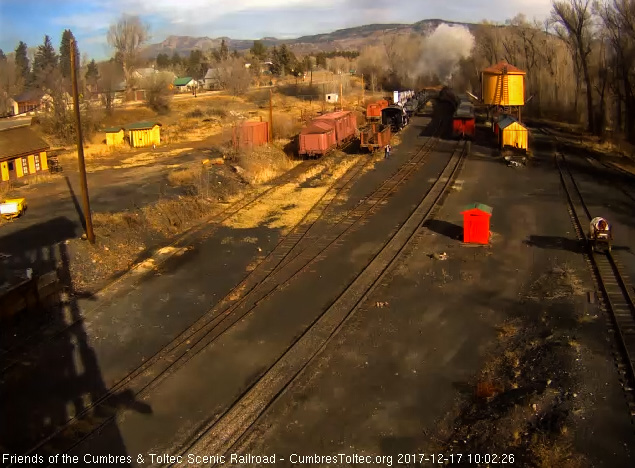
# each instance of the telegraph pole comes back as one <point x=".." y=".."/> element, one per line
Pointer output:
<point x="363" y="91"/>
<point x="80" y="148"/>
<point x="270" y="116"/>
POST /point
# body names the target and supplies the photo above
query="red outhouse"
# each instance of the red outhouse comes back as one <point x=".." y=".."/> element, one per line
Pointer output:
<point x="476" y="219"/>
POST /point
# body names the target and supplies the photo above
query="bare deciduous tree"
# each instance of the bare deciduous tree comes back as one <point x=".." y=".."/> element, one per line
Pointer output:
<point x="158" y="91"/>
<point x="573" y="19"/>
<point x="234" y="76"/>
<point x="11" y="83"/>
<point x="126" y="37"/>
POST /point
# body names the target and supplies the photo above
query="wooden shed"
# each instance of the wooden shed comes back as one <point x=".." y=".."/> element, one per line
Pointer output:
<point x="114" y="136"/>
<point x="22" y="152"/>
<point x="143" y="134"/>
<point x="513" y="134"/>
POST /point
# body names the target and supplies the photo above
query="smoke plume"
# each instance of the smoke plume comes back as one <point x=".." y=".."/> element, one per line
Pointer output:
<point x="444" y="49"/>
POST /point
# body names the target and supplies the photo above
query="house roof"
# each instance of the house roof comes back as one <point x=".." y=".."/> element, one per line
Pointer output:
<point x="29" y="95"/>
<point x="500" y="67"/>
<point x="20" y="141"/>
<point x="507" y="121"/>
<point x="146" y="71"/>
<point x="182" y="81"/>
<point x="113" y="129"/>
<point x="211" y="73"/>
<point x="478" y="206"/>
<point x="141" y="125"/>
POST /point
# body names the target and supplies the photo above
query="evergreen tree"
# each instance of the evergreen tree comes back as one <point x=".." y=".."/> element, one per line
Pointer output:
<point x="224" y="51"/>
<point x="276" y="64"/>
<point x="44" y="64"/>
<point x="235" y="54"/>
<point x="65" y="53"/>
<point x="45" y="57"/>
<point x="176" y="59"/>
<point x="92" y="73"/>
<point x="22" y="62"/>
<point x="194" y="68"/>
<point x="163" y="61"/>
<point x="3" y="58"/>
<point x="320" y="60"/>
<point x="259" y="50"/>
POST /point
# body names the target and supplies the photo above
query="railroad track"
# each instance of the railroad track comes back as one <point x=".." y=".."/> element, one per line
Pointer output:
<point x="293" y="255"/>
<point x="47" y="332"/>
<point x="223" y="434"/>
<point x="616" y="298"/>
<point x="598" y="163"/>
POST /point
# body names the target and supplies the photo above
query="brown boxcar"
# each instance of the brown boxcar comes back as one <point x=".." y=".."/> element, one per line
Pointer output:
<point x="250" y="134"/>
<point x="344" y="123"/>
<point x="317" y="139"/>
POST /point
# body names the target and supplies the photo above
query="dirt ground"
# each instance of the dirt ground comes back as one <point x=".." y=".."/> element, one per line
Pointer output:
<point x="142" y="197"/>
<point x="494" y="352"/>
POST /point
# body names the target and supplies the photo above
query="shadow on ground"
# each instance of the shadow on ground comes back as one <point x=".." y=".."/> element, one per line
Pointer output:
<point x="451" y="230"/>
<point x="39" y="399"/>
<point x="555" y="243"/>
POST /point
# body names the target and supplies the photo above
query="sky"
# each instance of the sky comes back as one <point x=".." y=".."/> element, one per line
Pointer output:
<point x="30" y="20"/>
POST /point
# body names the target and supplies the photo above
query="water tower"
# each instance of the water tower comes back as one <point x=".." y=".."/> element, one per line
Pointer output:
<point x="503" y="88"/>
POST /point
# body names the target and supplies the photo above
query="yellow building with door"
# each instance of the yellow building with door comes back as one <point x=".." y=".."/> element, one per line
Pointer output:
<point x="503" y="85"/>
<point x="22" y="152"/>
<point x="143" y="134"/>
<point x="115" y="136"/>
<point x="513" y="134"/>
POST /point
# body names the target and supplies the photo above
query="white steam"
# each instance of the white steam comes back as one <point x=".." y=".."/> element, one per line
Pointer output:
<point x="444" y="49"/>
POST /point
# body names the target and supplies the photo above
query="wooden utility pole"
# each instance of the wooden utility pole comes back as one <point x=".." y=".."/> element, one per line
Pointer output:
<point x="80" y="148"/>
<point x="270" y="115"/>
<point x="363" y="91"/>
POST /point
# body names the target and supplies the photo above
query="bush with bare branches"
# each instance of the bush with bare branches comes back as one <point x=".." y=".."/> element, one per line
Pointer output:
<point x="158" y="93"/>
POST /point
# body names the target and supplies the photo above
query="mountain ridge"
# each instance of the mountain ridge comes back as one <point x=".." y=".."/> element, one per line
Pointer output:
<point x="353" y="38"/>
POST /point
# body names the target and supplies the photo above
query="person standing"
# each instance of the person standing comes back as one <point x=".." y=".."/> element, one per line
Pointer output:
<point x="387" y="151"/>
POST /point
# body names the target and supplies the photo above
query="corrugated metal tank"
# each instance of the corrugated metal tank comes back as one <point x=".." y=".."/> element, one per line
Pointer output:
<point x="503" y="85"/>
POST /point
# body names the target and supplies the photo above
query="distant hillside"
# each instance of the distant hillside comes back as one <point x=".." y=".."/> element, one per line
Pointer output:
<point x="341" y="39"/>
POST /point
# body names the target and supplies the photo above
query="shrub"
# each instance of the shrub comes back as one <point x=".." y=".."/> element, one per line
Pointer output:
<point x="216" y="112"/>
<point x="196" y="113"/>
<point x="158" y="93"/>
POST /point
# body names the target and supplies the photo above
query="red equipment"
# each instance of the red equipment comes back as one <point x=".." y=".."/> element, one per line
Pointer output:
<point x="317" y="139"/>
<point x="375" y="136"/>
<point x="373" y="111"/>
<point x="476" y="218"/>
<point x="344" y="123"/>
<point x="250" y="134"/>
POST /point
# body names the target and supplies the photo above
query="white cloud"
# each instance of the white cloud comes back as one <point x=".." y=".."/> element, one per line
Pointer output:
<point x="207" y="11"/>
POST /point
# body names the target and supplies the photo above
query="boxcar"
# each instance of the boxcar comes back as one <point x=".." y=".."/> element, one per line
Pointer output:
<point x="343" y="122"/>
<point x="317" y="139"/>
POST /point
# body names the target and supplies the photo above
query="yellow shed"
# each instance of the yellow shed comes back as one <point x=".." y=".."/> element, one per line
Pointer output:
<point x="512" y="133"/>
<point x="22" y="152"/>
<point x="114" y="136"/>
<point x="144" y="134"/>
<point x="503" y="85"/>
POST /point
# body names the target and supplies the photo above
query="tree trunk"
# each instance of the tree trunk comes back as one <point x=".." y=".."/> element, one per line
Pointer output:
<point x="589" y="97"/>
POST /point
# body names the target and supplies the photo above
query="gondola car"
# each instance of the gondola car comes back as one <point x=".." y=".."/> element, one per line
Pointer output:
<point x="395" y="117"/>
